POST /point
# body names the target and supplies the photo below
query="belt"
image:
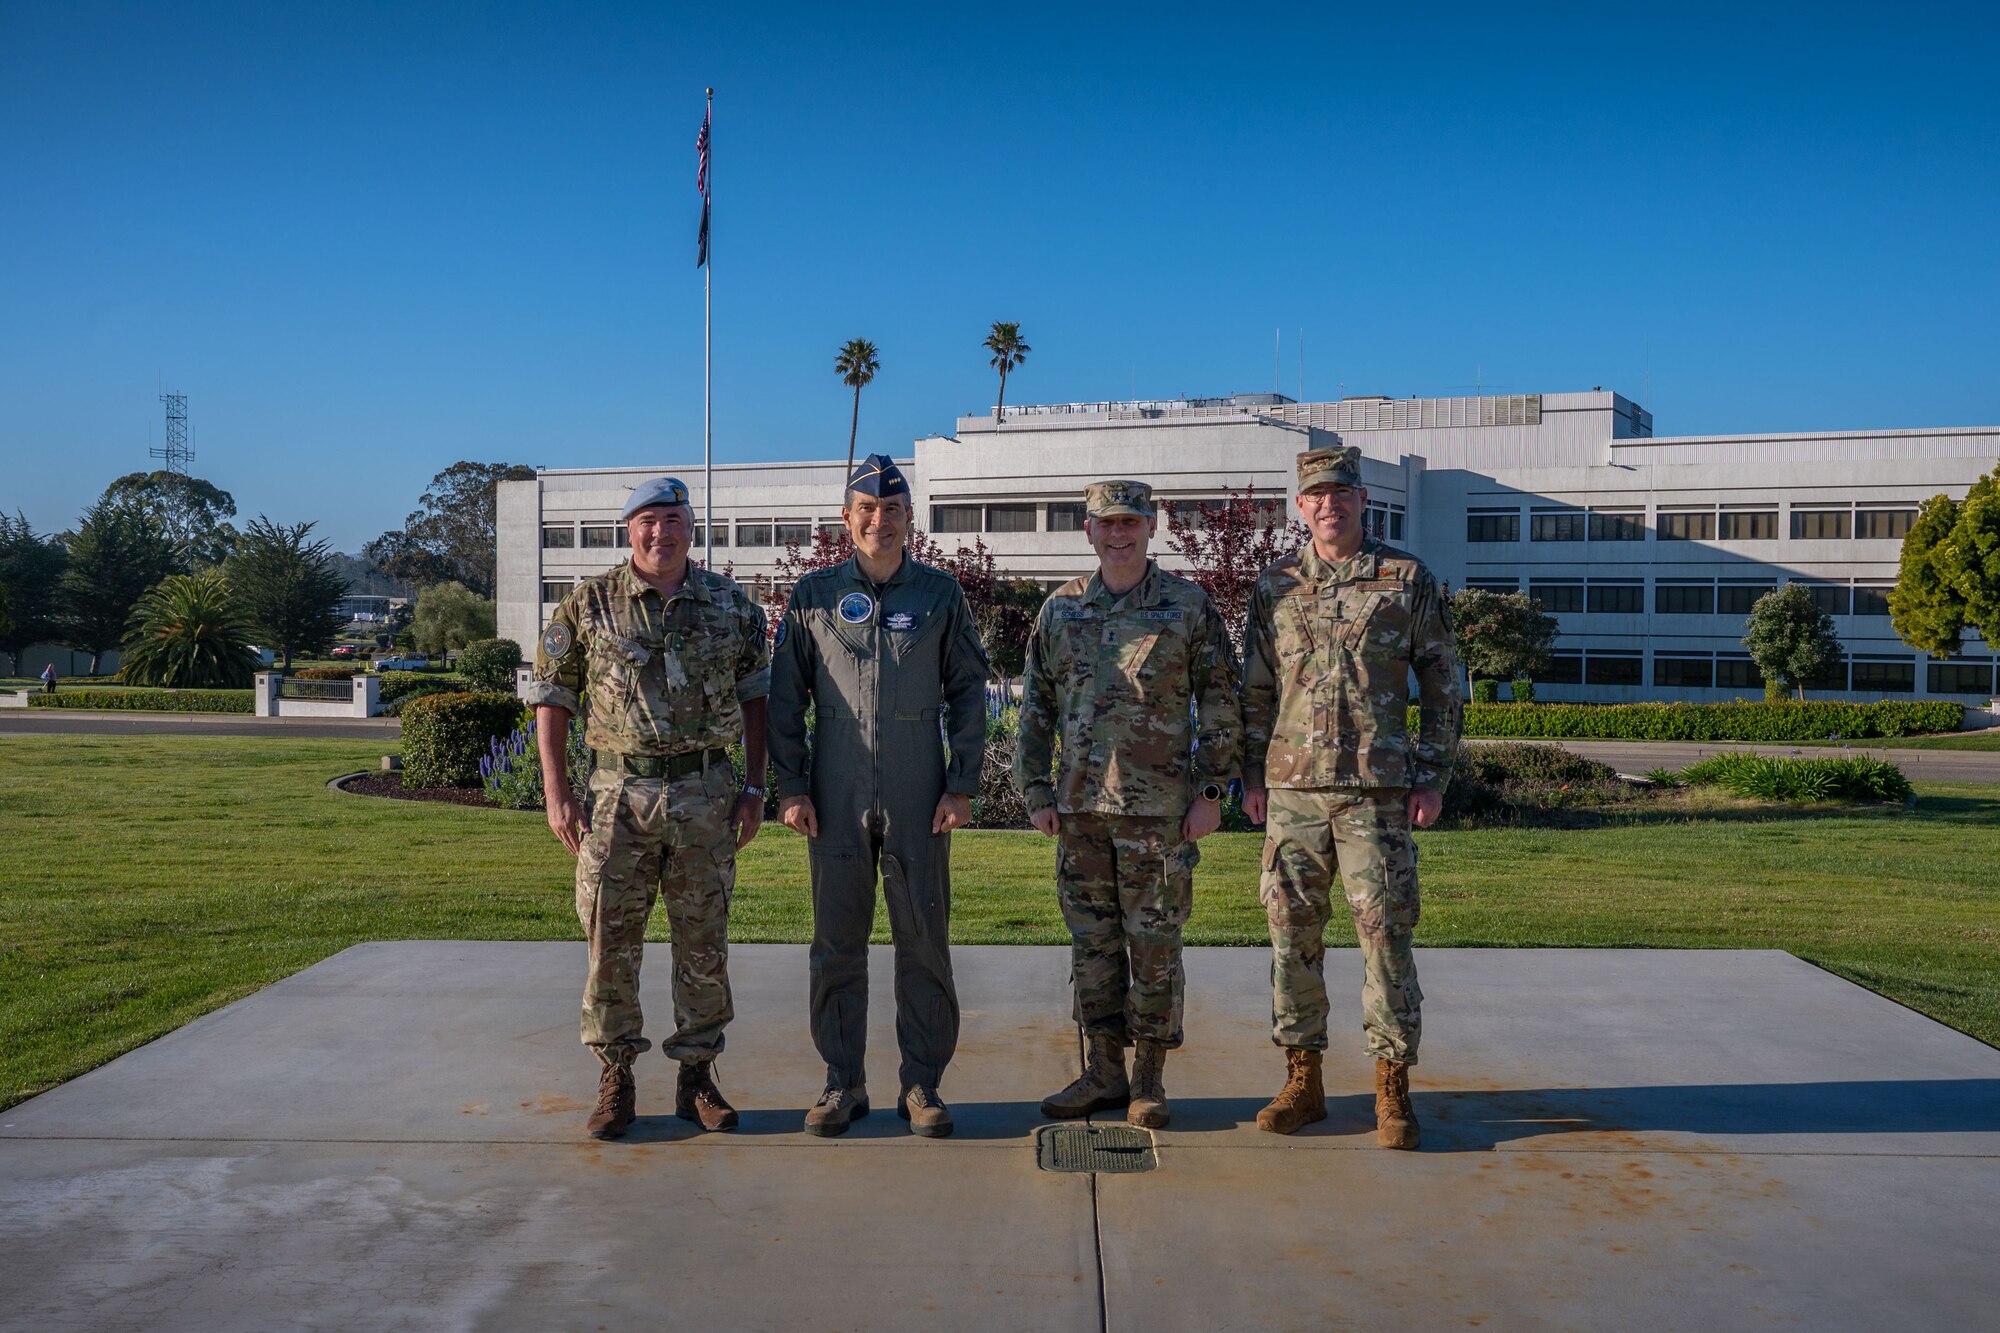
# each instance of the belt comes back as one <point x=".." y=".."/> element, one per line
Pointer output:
<point x="660" y="766"/>
<point x="831" y="710"/>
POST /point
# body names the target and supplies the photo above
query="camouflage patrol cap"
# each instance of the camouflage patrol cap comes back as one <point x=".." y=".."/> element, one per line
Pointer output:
<point x="1337" y="466"/>
<point x="1104" y="498"/>
<point x="658" y="491"/>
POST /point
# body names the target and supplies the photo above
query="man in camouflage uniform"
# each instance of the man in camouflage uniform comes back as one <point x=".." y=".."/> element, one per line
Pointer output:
<point x="1116" y="664"/>
<point x="882" y="649"/>
<point x="1335" y="631"/>
<point x="667" y="664"/>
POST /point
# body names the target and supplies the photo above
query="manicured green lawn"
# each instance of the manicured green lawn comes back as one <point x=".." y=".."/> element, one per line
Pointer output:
<point x="146" y="880"/>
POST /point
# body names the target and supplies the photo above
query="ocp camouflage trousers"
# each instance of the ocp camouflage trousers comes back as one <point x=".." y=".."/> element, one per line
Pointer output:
<point x="1126" y="885"/>
<point x="649" y="838"/>
<point x="1364" y="835"/>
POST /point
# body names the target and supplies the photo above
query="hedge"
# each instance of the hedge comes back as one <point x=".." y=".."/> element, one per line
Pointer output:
<point x="1811" y="721"/>
<point x="151" y="701"/>
<point x="401" y="684"/>
<point x="324" y="673"/>
<point x="446" y="735"/>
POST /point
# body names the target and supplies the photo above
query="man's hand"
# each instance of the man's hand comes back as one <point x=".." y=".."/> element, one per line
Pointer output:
<point x="797" y="814"/>
<point x="1426" y="804"/>
<point x="954" y="811"/>
<point x="1046" y="821"/>
<point x="1203" y="818"/>
<point x="746" y="818"/>
<point x="1256" y="804"/>
<point x="569" y="819"/>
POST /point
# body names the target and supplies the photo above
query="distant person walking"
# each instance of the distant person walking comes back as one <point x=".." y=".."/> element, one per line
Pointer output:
<point x="49" y="679"/>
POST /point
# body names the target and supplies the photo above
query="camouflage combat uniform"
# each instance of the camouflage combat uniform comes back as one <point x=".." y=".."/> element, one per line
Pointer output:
<point x="661" y="682"/>
<point x="1327" y="656"/>
<point x="1115" y="677"/>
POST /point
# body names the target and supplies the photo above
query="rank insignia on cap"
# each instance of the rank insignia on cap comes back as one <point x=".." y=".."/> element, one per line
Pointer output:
<point x="556" y="639"/>
<point x="856" y="608"/>
<point x="900" y="620"/>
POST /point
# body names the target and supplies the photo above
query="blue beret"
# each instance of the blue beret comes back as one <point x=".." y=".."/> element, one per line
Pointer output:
<point x="877" y="475"/>
<point x="658" y="491"/>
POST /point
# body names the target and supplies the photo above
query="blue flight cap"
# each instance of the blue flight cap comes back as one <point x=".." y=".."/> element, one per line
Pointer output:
<point x="658" y="491"/>
<point x="877" y="475"/>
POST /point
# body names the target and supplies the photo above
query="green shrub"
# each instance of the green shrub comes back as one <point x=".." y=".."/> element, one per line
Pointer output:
<point x="1771" y="778"/>
<point x="488" y="664"/>
<point x="1524" y="691"/>
<point x="404" y="684"/>
<point x="1485" y="691"/>
<point x="1814" y="721"/>
<point x="446" y="735"/>
<point x="324" y="673"/>
<point x="151" y="701"/>
<point x="1511" y="784"/>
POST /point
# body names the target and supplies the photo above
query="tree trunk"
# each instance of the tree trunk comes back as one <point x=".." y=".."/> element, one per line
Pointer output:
<point x="1000" y="408"/>
<point x="94" y="654"/>
<point x="853" y="429"/>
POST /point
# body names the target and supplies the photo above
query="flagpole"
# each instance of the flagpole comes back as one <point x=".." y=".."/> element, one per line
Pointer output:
<point x="708" y="357"/>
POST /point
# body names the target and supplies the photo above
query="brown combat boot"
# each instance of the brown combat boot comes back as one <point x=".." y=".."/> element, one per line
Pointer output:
<point x="1149" y="1093"/>
<point x="697" y="1098"/>
<point x="1395" y="1121"/>
<point x="1301" y="1101"/>
<point x="1101" y="1086"/>
<point x="617" y="1103"/>
<point x="926" y="1112"/>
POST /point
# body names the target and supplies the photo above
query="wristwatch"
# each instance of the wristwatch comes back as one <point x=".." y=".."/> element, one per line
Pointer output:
<point x="1212" y="792"/>
<point x="753" y="791"/>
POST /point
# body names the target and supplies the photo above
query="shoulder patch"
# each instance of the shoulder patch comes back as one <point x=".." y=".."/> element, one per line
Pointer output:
<point x="779" y="642"/>
<point x="557" y="639"/>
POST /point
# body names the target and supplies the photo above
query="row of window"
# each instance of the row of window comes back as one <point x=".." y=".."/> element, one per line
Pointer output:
<point x="748" y="532"/>
<point x="1692" y="524"/>
<point x="1384" y="520"/>
<point x="1736" y="671"/>
<point x="1686" y="597"/>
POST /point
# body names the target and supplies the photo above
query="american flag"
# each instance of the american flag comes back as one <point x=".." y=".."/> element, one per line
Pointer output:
<point x="701" y="184"/>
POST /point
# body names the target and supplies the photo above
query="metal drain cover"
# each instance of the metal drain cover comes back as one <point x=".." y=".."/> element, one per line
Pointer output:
<point x="1108" y="1148"/>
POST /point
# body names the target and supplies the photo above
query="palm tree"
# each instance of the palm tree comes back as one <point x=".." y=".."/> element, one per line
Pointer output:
<point x="1008" y="353"/>
<point x="856" y="365"/>
<point x="186" y="633"/>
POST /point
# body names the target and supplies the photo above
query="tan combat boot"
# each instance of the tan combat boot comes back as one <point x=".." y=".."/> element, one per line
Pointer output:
<point x="1101" y="1087"/>
<point x="697" y="1098"/>
<point x="1301" y="1101"/>
<point x="617" y="1103"/>
<point x="1149" y="1092"/>
<point x="836" y="1109"/>
<point x="1395" y="1121"/>
<point x="926" y="1112"/>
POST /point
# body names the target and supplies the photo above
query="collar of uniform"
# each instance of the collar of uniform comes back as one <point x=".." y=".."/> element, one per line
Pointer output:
<point x="632" y="585"/>
<point x="1139" y="594"/>
<point x="1361" y="565"/>
<point x="856" y="575"/>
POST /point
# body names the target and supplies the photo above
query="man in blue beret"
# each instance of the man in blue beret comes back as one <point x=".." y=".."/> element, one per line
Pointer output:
<point x="667" y="664"/>
<point x="881" y="648"/>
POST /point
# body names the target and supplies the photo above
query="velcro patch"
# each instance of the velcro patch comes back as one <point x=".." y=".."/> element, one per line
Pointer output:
<point x="1381" y="585"/>
<point x="1072" y="615"/>
<point x="1162" y="615"/>
<point x="556" y="639"/>
<point x="900" y="620"/>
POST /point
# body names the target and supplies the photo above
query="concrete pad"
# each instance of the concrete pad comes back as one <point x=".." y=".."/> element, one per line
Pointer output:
<point x="393" y="1139"/>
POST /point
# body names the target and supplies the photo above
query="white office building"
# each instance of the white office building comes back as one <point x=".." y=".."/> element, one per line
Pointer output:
<point x="1649" y="549"/>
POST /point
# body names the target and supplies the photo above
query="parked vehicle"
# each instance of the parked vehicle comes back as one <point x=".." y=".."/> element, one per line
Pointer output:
<point x="402" y="662"/>
<point x="342" y="650"/>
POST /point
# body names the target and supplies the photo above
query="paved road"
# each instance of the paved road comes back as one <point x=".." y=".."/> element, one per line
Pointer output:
<point x="45" y="722"/>
<point x="1920" y="765"/>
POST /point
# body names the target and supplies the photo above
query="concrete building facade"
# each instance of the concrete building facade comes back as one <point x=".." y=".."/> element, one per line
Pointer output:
<point x="1648" y="549"/>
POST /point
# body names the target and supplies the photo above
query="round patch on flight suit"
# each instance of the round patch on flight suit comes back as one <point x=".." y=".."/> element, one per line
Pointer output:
<point x="856" y="607"/>
<point x="556" y="639"/>
<point x="779" y="642"/>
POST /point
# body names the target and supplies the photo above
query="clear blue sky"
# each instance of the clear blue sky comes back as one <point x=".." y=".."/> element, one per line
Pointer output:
<point x="368" y="240"/>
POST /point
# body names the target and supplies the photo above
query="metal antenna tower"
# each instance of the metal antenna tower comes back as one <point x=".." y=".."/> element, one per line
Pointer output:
<point x="177" y="452"/>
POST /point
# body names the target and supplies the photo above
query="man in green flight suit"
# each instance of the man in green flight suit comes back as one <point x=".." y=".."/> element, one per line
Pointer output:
<point x="880" y="647"/>
<point x="667" y="664"/>
<point x="1336" y="630"/>
<point x="1116" y="664"/>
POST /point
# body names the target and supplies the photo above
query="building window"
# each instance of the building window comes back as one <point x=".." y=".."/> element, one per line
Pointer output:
<point x="1383" y="522"/>
<point x="753" y="532"/>
<point x="1896" y="675"/>
<point x="1010" y="518"/>
<point x="1736" y="599"/>
<point x="1735" y="671"/>
<point x="1557" y="598"/>
<point x="1494" y="585"/>
<point x="1563" y="669"/>
<point x="1625" y="599"/>
<point x="831" y="529"/>
<point x="1493" y="527"/>
<point x="1828" y="597"/>
<point x="1687" y="525"/>
<point x="1613" y="669"/>
<point x="721" y="536"/>
<point x="957" y="518"/>
<point x="1617" y="525"/>
<point x="1871" y="599"/>
<point x="1832" y="676"/>
<point x="792" y="532"/>
<point x="1821" y="524"/>
<point x="1884" y="523"/>
<point x="1687" y="673"/>
<point x="1565" y="526"/>
<point x="602" y="536"/>
<point x="1968" y="677"/>
<point x="554" y="590"/>
<point x="1066" y="517"/>
<point x="1758" y="525"/>
<point x="1684" y="599"/>
<point x="558" y="536"/>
